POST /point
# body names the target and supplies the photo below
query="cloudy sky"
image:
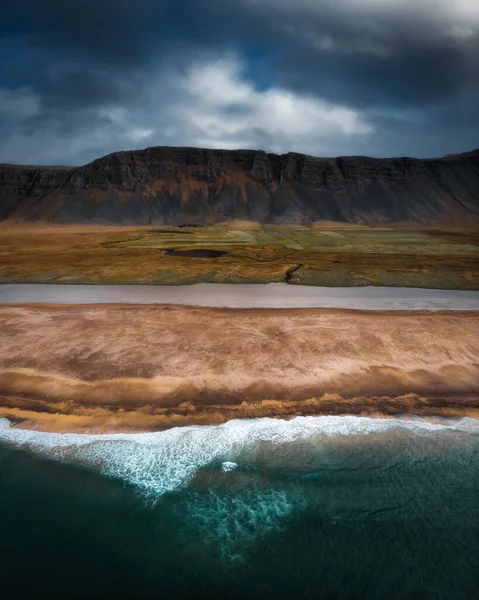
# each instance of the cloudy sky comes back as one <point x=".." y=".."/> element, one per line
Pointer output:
<point x="82" y="78"/>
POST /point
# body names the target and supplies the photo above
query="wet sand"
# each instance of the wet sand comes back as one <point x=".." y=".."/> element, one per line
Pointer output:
<point x="100" y="367"/>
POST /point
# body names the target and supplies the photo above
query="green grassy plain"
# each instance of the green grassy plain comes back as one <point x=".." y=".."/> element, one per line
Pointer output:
<point x="327" y="254"/>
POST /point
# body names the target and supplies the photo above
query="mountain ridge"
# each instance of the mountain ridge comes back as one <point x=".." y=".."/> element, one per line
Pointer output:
<point x="184" y="185"/>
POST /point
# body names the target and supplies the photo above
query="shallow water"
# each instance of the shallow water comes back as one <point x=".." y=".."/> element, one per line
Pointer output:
<point x="315" y="507"/>
<point x="271" y="295"/>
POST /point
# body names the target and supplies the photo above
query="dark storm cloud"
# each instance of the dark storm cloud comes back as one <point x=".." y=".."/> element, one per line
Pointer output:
<point x="404" y="66"/>
<point x="106" y="30"/>
<point x="356" y="55"/>
<point x="412" y="75"/>
<point x="122" y="32"/>
<point x="94" y="47"/>
<point x="395" y="62"/>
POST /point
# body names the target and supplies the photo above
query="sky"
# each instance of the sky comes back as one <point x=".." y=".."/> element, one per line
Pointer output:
<point x="83" y="78"/>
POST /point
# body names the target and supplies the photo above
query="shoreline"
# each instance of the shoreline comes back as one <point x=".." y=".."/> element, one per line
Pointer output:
<point x="447" y="420"/>
<point x="118" y="367"/>
<point x="311" y="310"/>
<point x="134" y="422"/>
<point x="234" y="281"/>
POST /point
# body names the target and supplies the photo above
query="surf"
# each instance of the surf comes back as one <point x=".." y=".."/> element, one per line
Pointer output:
<point x="167" y="461"/>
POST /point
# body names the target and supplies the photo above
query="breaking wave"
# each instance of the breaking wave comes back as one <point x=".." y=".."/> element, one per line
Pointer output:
<point x="162" y="462"/>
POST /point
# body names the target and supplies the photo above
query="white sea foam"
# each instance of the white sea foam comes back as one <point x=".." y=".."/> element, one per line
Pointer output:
<point x="232" y="522"/>
<point x="162" y="462"/>
<point x="228" y="466"/>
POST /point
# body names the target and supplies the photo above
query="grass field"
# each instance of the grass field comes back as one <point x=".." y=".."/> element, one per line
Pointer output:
<point x="328" y="254"/>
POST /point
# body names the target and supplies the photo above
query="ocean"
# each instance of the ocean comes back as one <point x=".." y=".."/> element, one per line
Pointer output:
<point x="314" y="507"/>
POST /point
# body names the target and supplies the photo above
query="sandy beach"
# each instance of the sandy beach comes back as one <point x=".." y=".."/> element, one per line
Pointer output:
<point x="145" y="367"/>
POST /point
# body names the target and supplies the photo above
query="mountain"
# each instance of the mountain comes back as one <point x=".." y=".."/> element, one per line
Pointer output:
<point x="190" y="185"/>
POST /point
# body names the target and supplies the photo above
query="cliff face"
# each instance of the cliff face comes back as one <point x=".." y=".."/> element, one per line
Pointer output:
<point x="189" y="185"/>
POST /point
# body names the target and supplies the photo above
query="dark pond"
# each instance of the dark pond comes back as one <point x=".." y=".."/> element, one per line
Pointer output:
<point x="197" y="253"/>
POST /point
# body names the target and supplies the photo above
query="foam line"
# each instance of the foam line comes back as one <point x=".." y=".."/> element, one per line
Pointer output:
<point x="162" y="462"/>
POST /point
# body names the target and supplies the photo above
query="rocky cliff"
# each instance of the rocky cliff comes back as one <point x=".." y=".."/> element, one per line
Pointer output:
<point x="189" y="185"/>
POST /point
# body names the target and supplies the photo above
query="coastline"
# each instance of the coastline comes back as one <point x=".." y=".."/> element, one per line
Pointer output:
<point x="133" y="368"/>
<point x="103" y="421"/>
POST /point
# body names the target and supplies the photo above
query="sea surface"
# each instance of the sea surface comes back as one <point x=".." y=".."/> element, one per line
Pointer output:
<point x="315" y="507"/>
<point x="269" y="295"/>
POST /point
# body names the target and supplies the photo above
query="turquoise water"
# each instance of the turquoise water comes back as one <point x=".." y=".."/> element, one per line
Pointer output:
<point x="325" y="507"/>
